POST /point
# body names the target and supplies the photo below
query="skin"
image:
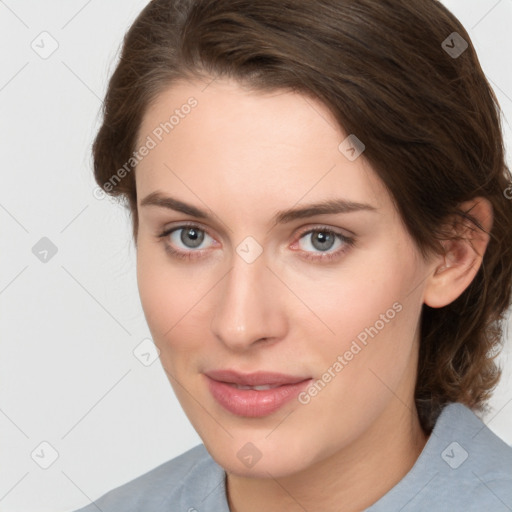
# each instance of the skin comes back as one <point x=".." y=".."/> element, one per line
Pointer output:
<point x="244" y="155"/>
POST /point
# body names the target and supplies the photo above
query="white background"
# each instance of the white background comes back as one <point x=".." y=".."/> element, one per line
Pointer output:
<point x="69" y="326"/>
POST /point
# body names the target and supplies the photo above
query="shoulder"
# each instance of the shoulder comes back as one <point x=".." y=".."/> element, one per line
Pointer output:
<point x="463" y="467"/>
<point x="177" y="483"/>
<point x="473" y="444"/>
<point x="478" y="460"/>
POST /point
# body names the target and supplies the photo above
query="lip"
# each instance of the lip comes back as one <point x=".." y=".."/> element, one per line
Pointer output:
<point x="253" y="403"/>
<point x="254" y="379"/>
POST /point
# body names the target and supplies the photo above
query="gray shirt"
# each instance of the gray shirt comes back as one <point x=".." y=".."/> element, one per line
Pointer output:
<point x="464" y="466"/>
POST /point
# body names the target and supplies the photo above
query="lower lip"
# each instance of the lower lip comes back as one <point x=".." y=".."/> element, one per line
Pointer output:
<point x="252" y="403"/>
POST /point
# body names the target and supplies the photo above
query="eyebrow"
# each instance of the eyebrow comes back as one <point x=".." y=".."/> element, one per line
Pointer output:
<point x="331" y="206"/>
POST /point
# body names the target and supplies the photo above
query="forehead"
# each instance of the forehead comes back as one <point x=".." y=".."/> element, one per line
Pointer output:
<point x="243" y="144"/>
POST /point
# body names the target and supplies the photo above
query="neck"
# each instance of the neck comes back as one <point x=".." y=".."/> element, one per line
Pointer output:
<point x="350" y="480"/>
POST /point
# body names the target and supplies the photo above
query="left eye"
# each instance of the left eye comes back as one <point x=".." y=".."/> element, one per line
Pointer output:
<point x="321" y="240"/>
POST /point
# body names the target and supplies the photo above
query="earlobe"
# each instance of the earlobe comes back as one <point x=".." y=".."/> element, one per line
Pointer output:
<point x="454" y="271"/>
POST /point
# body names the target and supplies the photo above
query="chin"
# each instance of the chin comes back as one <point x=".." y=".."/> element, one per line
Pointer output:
<point x="257" y="457"/>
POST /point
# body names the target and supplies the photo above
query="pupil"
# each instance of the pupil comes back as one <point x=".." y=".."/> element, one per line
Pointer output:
<point x="192" y="234"/>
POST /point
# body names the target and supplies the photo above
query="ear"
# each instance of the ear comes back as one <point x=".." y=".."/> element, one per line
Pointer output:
<point x="453" y="271"/>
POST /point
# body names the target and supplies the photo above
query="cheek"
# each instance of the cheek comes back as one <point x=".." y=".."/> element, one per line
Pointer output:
<point x="370" y="359"/>
<point x="372" y="312"/>
<point x="174" y="302"/>
<point x="361" y="296"/>
<point x="162" y="294"/>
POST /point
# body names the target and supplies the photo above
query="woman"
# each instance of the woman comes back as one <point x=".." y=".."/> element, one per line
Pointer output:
<point x="323" y="241"/>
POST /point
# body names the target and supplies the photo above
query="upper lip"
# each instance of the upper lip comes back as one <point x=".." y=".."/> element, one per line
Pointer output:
<point x="259" y="378"/>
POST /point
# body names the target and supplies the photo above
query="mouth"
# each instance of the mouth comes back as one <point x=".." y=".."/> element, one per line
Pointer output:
<point x="255" y="379"/>
<point x="255" y="394"/>
<point x="257" y="388"/>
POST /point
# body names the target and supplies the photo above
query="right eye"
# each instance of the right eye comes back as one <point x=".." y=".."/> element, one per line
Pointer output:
<point x="180" y="241"/>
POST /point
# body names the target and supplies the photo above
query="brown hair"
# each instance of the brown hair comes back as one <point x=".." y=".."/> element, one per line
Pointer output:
<point x="429" y="119"/>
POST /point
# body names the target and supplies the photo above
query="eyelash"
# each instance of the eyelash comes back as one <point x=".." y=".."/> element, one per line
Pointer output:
<point x="325" y="257"/>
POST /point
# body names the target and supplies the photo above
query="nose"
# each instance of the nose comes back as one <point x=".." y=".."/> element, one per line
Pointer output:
<point x="249" y="306"/>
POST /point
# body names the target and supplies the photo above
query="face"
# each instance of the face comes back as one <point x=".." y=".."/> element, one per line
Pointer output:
<point x="328" y="299"/>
